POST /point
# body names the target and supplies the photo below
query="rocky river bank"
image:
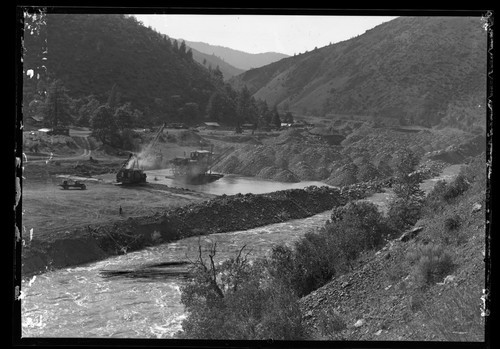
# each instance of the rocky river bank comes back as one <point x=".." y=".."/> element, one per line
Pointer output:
<point x="224" y="213"/>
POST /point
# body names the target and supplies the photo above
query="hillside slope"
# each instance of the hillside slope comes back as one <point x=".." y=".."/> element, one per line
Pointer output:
<point x="382" y="298"/>
<point x="92" y="53"/>
<point x="239" y="59"/>
<point x="411" y="66"/>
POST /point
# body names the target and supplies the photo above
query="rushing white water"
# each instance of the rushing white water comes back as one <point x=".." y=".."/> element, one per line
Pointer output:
<point x="80" y="302"/>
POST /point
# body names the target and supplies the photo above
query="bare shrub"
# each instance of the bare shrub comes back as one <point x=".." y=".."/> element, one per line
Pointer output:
<point x="236" y="300"/>
<point x="452" y="223"/>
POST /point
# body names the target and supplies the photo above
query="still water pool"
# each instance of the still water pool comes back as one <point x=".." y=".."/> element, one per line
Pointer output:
<point x="229" y="184"/>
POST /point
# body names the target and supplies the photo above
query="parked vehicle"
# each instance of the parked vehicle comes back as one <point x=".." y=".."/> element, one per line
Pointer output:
<point x="68" y="184"/>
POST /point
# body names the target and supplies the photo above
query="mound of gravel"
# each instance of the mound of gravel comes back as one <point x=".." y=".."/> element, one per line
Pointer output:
<point x="304" y="172"/>
<point x="322" y="173"/>
<point x="384" y="169"/>
<point x="367" y="172"/>
<point x="291" y="136"/>
<point x="345" y="175"/>
<point x="268" y="172"/>
<point x="286" y="176"/>
<point x="228" y="165"/>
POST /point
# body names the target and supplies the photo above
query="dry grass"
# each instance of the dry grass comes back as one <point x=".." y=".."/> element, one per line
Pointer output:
<point x="456" y="316"/>
<point x="48" y="209"/>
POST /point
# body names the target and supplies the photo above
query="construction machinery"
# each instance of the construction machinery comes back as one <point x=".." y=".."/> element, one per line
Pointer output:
<point x="196" y="169"/>
<point x="131" y="172"/>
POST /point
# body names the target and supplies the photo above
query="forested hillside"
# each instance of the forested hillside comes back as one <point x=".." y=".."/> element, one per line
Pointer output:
<point x="109" y="58"/>
<point x="416" y="68"/>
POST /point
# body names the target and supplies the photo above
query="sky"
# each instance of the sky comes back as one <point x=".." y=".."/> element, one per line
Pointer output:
<point x="263" y="33"/>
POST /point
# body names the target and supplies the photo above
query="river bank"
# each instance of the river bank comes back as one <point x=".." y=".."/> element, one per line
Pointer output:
<point x="224" y="213"/>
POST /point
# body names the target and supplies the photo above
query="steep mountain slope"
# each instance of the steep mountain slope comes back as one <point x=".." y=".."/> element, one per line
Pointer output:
<point x="382" y="297"/>
<point x="239" y="59"/>
<point x="411" y="67"/>
<point x="92" y="53"/>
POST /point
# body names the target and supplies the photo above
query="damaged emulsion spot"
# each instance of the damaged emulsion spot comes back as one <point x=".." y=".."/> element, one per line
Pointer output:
<point x="18" y="192"/>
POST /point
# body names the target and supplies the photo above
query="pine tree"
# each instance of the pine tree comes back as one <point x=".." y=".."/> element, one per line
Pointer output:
<point x="182" y="48"/>
<point x="114" y="97"/>
<point x="56" y="107"/>
<point x="218" y="74"/>
<point x="288" y="118"/>
<point x="276" y="120"/>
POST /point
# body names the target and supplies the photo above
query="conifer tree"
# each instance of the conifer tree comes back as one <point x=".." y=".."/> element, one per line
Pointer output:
<point x="276" y="120"/>
<point x="56" y="108"/>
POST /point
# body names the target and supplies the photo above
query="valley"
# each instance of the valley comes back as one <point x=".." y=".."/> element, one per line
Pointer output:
<point x="342" y="191"/>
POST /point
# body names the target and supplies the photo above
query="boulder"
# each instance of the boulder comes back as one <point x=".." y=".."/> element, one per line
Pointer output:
<point x="476" y="207"/>
<point x="359" y="323"/>
<point x="410" y="234"/>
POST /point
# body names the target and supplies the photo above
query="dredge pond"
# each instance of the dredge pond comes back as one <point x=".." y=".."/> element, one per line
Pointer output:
<point x="82" y="302"/>
<point x="229" y="184"/>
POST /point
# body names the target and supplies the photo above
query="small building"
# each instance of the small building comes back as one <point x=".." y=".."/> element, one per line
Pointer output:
<point x="44" y="130"/>
<point x="248" y="126"/>
<point x="211" y="125"/>
<point x="176" y="125"/>
<point x="58" y="130"/>
<point x="286" y="124"/>
<point x="300" y="124"/>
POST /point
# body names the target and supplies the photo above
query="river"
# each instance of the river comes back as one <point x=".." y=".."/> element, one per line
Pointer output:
<point x="80" y="302"/>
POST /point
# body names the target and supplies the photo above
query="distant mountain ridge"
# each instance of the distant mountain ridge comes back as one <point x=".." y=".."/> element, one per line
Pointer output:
<point x="411" y="67"/>
<point x="213" y="61"/>
<point x="236" y="58"/>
